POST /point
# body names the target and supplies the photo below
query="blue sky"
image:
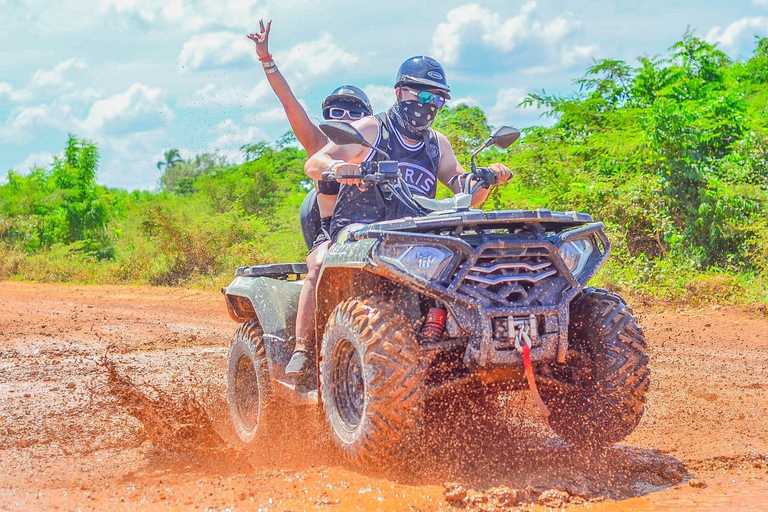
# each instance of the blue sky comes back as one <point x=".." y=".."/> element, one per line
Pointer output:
<point x="139" y="76"/>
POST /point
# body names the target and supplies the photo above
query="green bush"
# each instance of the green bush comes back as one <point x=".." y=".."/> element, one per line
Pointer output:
<point x="671" y="154"/>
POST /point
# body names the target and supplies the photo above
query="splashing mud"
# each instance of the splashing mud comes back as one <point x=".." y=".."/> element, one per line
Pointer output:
<point x="148" y="428"/>
<point x="173" y="423"/>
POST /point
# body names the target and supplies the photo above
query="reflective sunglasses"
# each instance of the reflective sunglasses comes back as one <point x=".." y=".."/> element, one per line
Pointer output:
<point x="338" y="113"/>
<point x="426" y="97"/>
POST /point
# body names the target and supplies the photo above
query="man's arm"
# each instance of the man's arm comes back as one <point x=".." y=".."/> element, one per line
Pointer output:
<point x="309" y="135"/>
<point x="346" y="157"/>
<point x="450" y="167"/>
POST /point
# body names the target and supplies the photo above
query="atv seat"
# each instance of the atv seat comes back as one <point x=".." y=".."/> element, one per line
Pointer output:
<point x="284" y="271"/>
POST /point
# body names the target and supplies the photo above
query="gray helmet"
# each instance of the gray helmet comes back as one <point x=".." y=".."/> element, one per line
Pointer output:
<point x="424" y="73"/>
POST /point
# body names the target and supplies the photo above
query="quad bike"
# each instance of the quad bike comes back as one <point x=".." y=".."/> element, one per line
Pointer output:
<point x="457" y="303"/>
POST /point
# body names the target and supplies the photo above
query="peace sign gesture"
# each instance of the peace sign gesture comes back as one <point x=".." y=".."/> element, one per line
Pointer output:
<point x="261" y="38"/>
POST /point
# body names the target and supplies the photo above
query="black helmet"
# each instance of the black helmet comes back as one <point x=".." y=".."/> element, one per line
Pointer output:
<point x="425" y="72"/>
<point x="348" y="94"/>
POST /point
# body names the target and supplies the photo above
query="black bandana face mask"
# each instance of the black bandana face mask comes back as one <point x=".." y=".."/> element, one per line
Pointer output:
<point x="415" y="117"/>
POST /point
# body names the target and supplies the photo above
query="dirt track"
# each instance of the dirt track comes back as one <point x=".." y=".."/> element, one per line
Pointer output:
<point x="67" y="441"/>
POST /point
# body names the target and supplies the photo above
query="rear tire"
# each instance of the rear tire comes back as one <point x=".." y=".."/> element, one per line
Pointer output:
<point x="605" y="333"/>
<point x="249" y="389"/>
<point x="372" y="379"/>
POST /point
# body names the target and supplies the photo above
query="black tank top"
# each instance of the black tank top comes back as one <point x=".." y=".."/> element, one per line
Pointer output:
<point x="418" y="162"/>
<point x="418" y="165"/>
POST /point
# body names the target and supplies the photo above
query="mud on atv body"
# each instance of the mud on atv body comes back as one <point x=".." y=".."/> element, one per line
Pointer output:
<point x="495" y="274"/>
<point x="502" y="265"/>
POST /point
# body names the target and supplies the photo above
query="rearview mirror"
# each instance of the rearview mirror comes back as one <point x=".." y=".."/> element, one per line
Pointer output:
<point x="342" y="133"/>
<point x="505" y="136"/>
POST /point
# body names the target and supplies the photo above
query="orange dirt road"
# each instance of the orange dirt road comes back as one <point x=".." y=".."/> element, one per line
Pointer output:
<point x="67" y="442"/>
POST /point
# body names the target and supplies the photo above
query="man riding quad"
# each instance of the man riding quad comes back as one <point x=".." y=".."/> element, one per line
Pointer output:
<point x="428" y="316"/>
<point x="424" y="155"/>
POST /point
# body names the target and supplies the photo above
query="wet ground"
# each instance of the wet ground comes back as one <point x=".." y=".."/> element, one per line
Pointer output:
<point x="112" y="398"/>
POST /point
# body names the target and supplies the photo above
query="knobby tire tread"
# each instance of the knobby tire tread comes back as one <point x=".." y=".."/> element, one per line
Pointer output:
<point x="393" y="375"/>
<point x="603" y="324"/>
<point x="250" y="335"/>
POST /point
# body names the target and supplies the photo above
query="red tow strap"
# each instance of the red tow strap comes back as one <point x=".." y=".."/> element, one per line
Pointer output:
<point x="531" y="381"/>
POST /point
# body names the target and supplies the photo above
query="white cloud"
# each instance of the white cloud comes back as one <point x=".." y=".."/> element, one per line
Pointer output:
<point x="467" y="100"/>
<point x="143" y="10"/>
<point x="42" y="159"/>
<point x="22" y="120"/>
<point x="760" y="3"/>
<point x="216" y="49"/>
<point x="382" y="97"/>
<point x="131" y="159"/>
<point x="216" y="95"/>
<point x="230" y="136"/>
<point x="14" y="95"/>
<point x="80" y="95"/>
<point x="447" y="39"/>
<point x="733" y="33"/>
<point x="506" y="110"/>
<point x="320" y="57"/>
<point x="556" y="29"/>
<point x="473" y="22"/>
<point x="139" y="108"/>
<point x="577" y="53"/>
<point x="189" y="15"/>
<point x="56" y="76"/>
<point x="270" y="116"/>
<point x="317" y="58"/>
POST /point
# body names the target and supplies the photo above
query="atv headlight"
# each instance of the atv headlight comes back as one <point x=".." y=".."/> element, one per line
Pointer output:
<point x="575" y="254"/>
<point x="424" y="261"/>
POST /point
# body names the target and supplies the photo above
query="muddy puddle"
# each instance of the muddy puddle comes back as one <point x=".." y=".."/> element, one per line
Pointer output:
<point x="147" y="427"/>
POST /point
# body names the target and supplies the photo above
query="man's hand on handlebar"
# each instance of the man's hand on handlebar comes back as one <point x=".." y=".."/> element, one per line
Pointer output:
<point x="494" y="174"/>
<point x="342" y="169"/>
<point x="482" y="177"/>
<point x="502" y="172"/>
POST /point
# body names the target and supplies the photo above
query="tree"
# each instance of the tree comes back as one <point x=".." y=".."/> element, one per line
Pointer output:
<point x="180" y="177"/>
<point x="81" y="214"/>
<point x="172" y="157"/>
<point x="465" y="127"/>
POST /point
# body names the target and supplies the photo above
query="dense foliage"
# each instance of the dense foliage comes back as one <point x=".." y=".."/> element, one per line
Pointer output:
<point x="670" y="154"/>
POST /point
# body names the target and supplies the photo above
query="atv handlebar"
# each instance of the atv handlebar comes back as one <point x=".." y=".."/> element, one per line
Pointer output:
<point x="386" y="176"/>
<point x="371" y="173"/>
<point x="482" y="177"/>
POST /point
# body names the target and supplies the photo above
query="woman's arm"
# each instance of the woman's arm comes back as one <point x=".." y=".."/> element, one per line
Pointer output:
<point x="346" y="157"/>
<point x="309" y="135"/>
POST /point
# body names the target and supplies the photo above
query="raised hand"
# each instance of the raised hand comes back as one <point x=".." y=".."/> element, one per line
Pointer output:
<point x="261" y="38"/>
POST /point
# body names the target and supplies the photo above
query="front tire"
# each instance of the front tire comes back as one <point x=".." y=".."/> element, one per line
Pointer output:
<point x="249" y="390"/>
<point x="372" y="379"/>
<point x="611" y="348"/>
